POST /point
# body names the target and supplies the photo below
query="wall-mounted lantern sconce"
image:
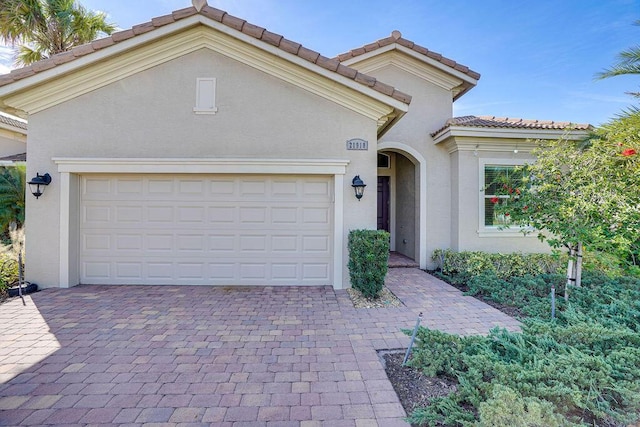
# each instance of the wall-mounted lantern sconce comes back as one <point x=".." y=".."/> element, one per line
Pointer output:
<point x="358" y="186"/>
<point x="38" y="184"/>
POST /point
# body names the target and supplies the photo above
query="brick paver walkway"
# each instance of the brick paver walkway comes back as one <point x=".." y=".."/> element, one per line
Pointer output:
<point x="170" y="355"/>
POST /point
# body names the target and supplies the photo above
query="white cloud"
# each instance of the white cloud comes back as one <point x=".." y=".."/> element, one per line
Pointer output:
<point x="6" y="59"/>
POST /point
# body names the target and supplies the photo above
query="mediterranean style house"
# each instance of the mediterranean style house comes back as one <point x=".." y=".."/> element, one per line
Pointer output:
<point x="197" y="148"/>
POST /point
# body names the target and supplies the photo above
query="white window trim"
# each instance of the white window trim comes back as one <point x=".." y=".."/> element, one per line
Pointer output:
<point x="495" y="231"/>
<point x="199" y="109"/>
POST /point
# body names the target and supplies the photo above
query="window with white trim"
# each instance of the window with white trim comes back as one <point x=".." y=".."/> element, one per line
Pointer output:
<point x="494" y="176"/>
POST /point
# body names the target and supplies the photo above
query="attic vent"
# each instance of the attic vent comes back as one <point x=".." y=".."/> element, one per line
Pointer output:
<point x="205" y="96"/>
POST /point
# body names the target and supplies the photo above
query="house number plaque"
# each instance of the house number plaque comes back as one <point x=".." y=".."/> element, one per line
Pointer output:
<point x="357" y="144"/>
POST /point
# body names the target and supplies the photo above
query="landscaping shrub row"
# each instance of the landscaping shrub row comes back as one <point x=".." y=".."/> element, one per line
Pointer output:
<point x="462" y="266"/>
<point x="582" y="368"/>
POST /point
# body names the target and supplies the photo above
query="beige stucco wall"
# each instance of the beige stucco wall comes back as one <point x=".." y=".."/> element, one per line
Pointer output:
<point x="150" y="114"/>
<point x="430" y="108"/>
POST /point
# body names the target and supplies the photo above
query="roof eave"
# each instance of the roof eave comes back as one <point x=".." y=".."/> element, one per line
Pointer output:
<point x="425" y="59"/>
<point x="87" y="60"/>
<point x="515" y="133"/>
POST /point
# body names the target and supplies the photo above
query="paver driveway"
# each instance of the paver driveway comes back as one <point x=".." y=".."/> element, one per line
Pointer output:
<point x="178" y="355"/>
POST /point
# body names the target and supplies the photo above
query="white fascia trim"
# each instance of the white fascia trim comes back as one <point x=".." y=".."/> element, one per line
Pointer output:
<point x="338" y="231"/>
<point x="200" y="166"/>
<point x="414" y="67"/>
<point x="14" y="129"/>
<point x="65" y="231"/>
<point x="516" y="133"/>
<point x="410" y="52"/>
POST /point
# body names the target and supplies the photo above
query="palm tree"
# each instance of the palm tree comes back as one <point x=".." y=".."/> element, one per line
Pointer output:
<point x="12" y="191"/>
<point x="41" y="28"/>
<point x="628" y="63"/>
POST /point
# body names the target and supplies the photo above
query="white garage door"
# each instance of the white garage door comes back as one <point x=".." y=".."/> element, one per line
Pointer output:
<point x="206" y="229"/>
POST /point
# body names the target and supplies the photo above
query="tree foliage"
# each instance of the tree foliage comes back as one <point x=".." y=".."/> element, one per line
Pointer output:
<point x="582" y="192"/>
<point x="41" y="28"/>
<point x="12" y="191"/>
<point x="628" y="63"/>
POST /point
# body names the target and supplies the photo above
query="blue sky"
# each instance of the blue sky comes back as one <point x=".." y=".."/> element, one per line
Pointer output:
<point x="537" y="58"/>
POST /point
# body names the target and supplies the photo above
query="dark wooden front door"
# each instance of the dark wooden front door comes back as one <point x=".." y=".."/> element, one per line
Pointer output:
<point x="383" y="203"/>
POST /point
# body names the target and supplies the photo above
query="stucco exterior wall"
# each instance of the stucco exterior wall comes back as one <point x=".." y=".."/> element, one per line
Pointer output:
<point x="150" y="115"/>
<point x="430" y="107"/>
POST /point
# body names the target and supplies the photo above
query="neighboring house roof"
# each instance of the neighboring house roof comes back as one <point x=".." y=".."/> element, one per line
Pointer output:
<point x="14" y="158"/>
<point x="224" y="18"/>
<point x="396" y="37"/>
<point x="13" y="122"/>
<point x="509" y="123"/>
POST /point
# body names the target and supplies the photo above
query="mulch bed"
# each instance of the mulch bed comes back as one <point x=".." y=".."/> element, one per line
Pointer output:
<point x="414" y="388"/>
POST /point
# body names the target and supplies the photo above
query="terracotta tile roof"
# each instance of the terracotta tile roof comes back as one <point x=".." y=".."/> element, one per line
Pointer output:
<point x="224" y="18"/>
<point x="396" y="37"/>
<point x="14" y="158"/>
<point x="510" y="122"/>
<point x="11" y="121"/>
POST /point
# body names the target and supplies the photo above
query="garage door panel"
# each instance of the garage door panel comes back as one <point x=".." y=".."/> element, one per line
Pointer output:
<point x="206" y="229"/>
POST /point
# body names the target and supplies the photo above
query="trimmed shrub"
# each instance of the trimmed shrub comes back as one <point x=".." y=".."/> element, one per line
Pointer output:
<point x="461" y="266"/>
<point x="368" y="260"/>
<point x="8" y="271"/>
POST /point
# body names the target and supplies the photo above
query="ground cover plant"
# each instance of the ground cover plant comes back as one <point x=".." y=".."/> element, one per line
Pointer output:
<point x="581" y="368"/>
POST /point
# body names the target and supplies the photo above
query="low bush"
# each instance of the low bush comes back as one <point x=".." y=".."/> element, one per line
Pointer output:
<point x="581" y="368"/>
<point x="461" y="266"/>
<point x="368" y="260"/>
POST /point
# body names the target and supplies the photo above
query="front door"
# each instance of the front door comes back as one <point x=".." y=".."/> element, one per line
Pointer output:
<point x="383" y="203"/>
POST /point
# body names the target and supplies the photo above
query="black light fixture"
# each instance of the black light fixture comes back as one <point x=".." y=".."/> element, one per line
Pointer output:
<point x="358" y="186"/>
<point x="38" y="184"/>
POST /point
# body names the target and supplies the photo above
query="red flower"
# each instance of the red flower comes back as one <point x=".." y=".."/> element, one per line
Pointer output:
<point x="506" y="214"/>
<point x="517" y="191"/>
<point x="525" y="207"/>
<point x="628" y="152"/>
<point x="494" y="200"/>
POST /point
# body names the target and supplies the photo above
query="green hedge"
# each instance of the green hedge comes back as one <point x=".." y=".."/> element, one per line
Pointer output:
<point x="368" y="260"/>
<point x="464" y="265"/>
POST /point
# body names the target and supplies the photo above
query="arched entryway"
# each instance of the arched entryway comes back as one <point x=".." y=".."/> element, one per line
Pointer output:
<point x="401" y="203"/>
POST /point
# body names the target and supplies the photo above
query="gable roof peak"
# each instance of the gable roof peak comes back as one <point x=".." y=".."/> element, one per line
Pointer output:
<point x="199" y="4"/>
<point x="396" y="38"/>
<point x="200" y="7"/>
